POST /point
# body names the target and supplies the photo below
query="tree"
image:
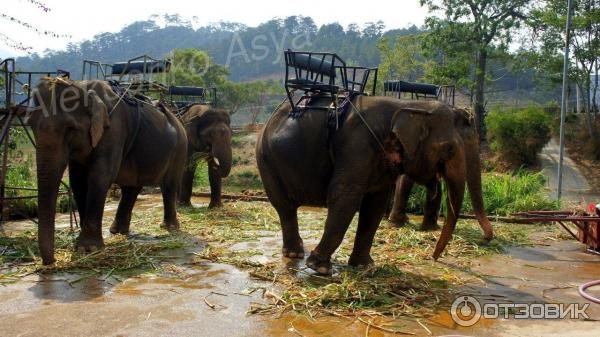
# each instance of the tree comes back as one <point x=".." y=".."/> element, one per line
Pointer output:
<point x="403" y="59"/>
<point x="233" y="96"/>
<point x="256" y="96"/>
<point x="196" y="68"/>
<point x="18" y="45"/>
<point x="260" y="94"/>
<point x="449" y="57"/>
<point x="482" y="24"/>
<point x="548" y="26"/>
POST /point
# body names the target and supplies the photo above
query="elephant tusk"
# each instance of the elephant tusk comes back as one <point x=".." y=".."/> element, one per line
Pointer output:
<point x="216" y="161"/>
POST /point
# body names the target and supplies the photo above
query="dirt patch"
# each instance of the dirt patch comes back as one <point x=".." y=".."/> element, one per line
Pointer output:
<point x="589" y="168"/>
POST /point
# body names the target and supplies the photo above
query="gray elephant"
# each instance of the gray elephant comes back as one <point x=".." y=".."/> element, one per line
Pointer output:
<point x="209" y="137"/>
<point x="103" y="140"/>
<point x="404" y="184"/>
<point x="302" y="162"/>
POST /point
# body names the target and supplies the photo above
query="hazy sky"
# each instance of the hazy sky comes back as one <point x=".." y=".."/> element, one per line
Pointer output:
<point x="84" y="18"/>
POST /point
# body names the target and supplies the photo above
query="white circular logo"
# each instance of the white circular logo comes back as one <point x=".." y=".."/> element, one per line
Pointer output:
<point x="465" y="311"/>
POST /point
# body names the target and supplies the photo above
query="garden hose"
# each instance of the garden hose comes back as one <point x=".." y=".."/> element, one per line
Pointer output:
<point x="583" y="287"/>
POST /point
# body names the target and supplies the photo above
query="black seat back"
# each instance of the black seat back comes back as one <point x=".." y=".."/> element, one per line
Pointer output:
<point x="141" y="67"/>
<point x="186" y="91"/>
<point x="409" y="87"/>
<point x="313" y="63"/>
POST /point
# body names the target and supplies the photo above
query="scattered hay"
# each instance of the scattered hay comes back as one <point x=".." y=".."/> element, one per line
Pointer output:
<point x="381" y="290"/>
<point x="19" y="256"/>
<point x="405" y="282"/>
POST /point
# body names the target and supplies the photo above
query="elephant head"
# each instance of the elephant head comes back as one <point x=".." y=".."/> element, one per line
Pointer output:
<point x="431" y="145"/>
<point x="68" y="122"/>
<point x="209" y="132"/>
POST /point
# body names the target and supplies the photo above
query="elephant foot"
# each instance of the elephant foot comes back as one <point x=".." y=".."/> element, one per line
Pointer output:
<point x="427" y="227"/>
<point x="320" y="265"/>
<point x="187" y="204"/>
<point x="215" y="204"/>
<point x="117" y="228"/>
<point x="85" y="245"/>
<point x="48" y="261"/>
<point x="397" y="221"/>
<point x="361" y="261"/>
<point x="293" y="252"/>
<point x="171" y="226"/>
<point x="488" y="233"/>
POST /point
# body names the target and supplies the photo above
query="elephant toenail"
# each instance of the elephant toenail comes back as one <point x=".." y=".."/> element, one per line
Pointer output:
<point x="323" y="270"/>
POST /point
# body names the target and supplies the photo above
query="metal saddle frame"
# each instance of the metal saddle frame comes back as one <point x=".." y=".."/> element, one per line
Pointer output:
<point x="322" y="74"/>
<point x="15" y="96"/>
<point x="181" y="98"/>
<point x="137" y="74"/>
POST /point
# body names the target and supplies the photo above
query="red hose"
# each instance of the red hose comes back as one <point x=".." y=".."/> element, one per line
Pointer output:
<point x="583" y="287"/>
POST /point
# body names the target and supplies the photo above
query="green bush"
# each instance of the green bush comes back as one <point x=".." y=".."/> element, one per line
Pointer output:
<point x="22" y="175"/>
<point x="503" y="195"/>
<point x="519" y="135"/>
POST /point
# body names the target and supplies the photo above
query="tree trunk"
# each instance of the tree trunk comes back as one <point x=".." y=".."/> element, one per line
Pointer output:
<point x="479" y="92"/>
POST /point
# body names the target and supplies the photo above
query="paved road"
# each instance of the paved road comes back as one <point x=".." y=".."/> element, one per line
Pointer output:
<point x="575" y="186"/>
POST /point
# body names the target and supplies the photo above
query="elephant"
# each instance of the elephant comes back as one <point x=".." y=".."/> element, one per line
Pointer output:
<point x="404" y="184"/>
<point x="303" y="162"/>
<point x="102" y="139"/>
<point x="209" y="136"/>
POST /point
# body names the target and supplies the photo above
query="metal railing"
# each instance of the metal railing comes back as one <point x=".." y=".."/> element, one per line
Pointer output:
<point x="13" y="113"/>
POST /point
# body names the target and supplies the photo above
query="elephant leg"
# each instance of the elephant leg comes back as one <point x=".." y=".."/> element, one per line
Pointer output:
<point x="90" y="237"/>
<point x="398" y="217"/>
<point x="78" y="184"/>
<point x="169" y="193"/>
<point x="341" y="208"/>
<point x="214" y="178"/>
<point x="187" y="183"/>
<point x="293" y="247"/>
<point x="432" y="205"/>
<point x="372" y="209"/>
<point x="473" y="167"/>
<point x="123" y="217"/>
<point x="455" y="186"/>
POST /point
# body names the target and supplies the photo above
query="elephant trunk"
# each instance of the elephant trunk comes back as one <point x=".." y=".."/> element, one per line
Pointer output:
<point x="221" y="153"/>
<point x="49" y="172"/>
<point x="474" y="184"/>
<point x="454" y="177"/>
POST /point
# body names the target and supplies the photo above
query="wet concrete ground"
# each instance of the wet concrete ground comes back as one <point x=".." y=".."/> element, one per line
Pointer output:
<point x="213" y="300"/>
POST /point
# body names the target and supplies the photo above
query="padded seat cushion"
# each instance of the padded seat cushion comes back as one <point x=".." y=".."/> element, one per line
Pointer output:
<point x="312" y="85"/>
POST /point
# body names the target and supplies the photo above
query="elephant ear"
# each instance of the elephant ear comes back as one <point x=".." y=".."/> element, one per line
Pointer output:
<point x="99" y="117"/>
<point x="411" y="129"/>
<point x="463" y="117"/>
